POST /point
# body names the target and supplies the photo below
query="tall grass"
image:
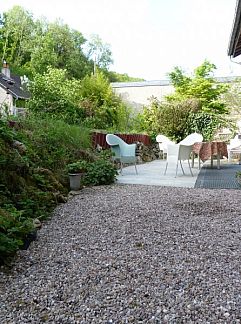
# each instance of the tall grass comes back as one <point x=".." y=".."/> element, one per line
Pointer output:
<point x="52" y="143"/>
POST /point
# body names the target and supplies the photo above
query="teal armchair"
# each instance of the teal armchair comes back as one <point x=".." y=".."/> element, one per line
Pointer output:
<point x="123" y="152"/>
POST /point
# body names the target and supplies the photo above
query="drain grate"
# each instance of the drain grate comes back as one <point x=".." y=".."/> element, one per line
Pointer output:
<point x="225" y="178"/>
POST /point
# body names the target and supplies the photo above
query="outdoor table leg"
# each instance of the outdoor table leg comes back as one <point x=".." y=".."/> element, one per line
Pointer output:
<point x="218" y="161"/>
<point x="211" y="161"/>
<point x="193" y="159"/>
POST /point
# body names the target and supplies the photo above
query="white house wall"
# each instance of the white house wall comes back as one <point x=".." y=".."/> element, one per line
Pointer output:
<point x="137" y="96"/>
<point x="5" y="99"/>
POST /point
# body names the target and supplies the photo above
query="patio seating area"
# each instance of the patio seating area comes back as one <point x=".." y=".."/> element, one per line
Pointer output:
<point x="152" y="173"/>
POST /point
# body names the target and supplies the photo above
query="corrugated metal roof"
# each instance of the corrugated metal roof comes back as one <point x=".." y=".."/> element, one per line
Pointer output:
<point x="164" y="82"/>
<point x="141" y="83"/>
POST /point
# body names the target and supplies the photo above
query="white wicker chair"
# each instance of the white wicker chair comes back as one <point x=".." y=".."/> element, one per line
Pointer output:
<point x="163" y="141"/>
<point x="190" y="140"/>
<point x="123" y="152"/>
<point x="178" y="153"/>
<point x="182" y="151"/>
<point x="234" y="147"/>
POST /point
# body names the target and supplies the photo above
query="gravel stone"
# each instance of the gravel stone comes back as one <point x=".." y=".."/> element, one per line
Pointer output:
<point x="131" y="254"/>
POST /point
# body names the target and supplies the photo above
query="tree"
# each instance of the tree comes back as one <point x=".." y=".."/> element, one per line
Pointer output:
<point x="201" y="86"/>
<point x="16" y="33"/>
<point x="232" y="97"/>
<point x="99" y="101"/>
<point x="195" y="106"/>
<point x="31" y="46"/>
<point x="118" y="77"/>
<point x="168" y="118"/>
<point x="55" y="95"/>
<point x="59" y="46"/>
<point x="99" y="52"/>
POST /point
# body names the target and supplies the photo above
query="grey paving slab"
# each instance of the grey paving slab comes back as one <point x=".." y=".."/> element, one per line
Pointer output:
<point x="152" y="173"/>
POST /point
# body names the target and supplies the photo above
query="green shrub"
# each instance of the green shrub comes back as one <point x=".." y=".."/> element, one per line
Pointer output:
<point x="101" y="172"/>
<point x="53" y="94"/>
<point x="170" y="119"/>
<point x="13" y="229"/>
<point x="103" y="108"/>
<point x="204" y="123"/>
<point x="77" y="167"/>
<point x="30" y="179"/>
<point x="33" y="181"/>
<point x="5" y="132"/>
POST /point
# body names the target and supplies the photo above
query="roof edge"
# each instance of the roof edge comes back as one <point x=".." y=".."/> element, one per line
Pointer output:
<point x="235" y="30"/>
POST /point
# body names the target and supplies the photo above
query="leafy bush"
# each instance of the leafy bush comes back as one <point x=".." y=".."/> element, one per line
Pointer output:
<point x="53" y="94"/>
<point x="5" y="132"/>
<point x="205" y="123"/>
<point x="90" y="102"/>
<point x="196" y="105"/>
<point x="77" y="167"/>
<point x="13" y="229"/>
<point x="30" y="184"/>
<point x="101" y="172"/>
<point x="103" y="108"/>
<point x="170" y="119"/>
<point x="201" y="86"/>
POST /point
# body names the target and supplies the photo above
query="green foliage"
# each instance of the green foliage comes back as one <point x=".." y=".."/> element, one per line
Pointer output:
<point x="52" y="144"/>
<point x="101" y="172"/>
<point x="77" y="167"/>
<point x="15" y="35"/>
<point x="196" y="106"/>
<point x="232" y="98"/>
<point x="30" y="46"/>
<point x="34" y="180"/>
<point x="58" y="46"/>
<point x="151" y="116"/>
<point x="13" y="229"/>
<point x="201" y="86"/>
<point x="117" y="77"/>
<point x="103" y="108"/>
<point x="99" y="52"/>
<point x="124" y="120"/>
<point x="91" y="102"/>
<point x="55" y="95"/>
<point x="170" y="119"/>
<point x="204" y="123"/>
<point x="5" y="132"/>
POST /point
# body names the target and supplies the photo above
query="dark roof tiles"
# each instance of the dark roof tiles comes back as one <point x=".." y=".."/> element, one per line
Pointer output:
<point x="13" y="86"/>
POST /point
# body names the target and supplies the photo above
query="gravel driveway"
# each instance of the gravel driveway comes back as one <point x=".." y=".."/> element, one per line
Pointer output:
<point x="131" y="254"/>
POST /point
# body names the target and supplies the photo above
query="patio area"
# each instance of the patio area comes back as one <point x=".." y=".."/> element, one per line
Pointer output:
<point x="152" y="173"/>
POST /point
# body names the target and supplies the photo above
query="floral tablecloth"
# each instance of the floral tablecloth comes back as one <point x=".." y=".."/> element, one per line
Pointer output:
<point x="206" y="150"/>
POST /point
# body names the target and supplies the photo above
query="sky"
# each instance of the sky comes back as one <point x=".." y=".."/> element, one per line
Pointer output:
<point x="148" y="38"/>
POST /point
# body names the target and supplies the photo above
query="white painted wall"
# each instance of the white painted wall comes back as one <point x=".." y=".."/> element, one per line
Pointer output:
<point x="137" y="93"/>
<point x="6" y="99"/>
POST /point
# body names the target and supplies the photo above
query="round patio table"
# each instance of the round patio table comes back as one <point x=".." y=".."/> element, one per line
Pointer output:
<point x="209" y="150"/>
